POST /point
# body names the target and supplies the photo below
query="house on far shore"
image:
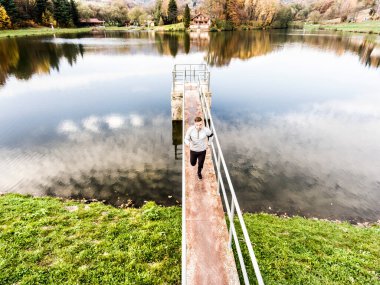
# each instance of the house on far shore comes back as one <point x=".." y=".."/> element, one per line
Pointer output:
<point x="92" y="22"/>
<point x="200" y="22"/>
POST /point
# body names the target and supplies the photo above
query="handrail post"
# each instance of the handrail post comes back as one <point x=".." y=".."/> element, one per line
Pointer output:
<point x="232" y="213"/>
<point x="218" y="163"/>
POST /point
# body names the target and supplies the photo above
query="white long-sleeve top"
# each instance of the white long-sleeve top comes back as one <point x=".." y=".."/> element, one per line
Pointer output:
<point x="198" y="138"/>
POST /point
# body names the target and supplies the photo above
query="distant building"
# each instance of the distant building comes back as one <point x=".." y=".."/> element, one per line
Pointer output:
<point x="200" y="22"/>
<point x="92" y="22"/>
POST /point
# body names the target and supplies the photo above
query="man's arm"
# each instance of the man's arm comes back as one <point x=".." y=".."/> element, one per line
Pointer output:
<point x="187" y="136"/>
<point x="209" y="135"/>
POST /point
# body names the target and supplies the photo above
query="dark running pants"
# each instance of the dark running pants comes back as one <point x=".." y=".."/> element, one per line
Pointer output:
<point x="201" y="155"/>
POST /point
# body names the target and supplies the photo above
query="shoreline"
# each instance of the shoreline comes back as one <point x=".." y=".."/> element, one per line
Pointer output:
<point x="370" y="27"/>
<point x="279" y="214"/>
<point x="43" y="31"/>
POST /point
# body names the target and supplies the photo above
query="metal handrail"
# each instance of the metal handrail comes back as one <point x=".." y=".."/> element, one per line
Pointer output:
<point x="234" y="202"/>
<point x="184" y="245"/>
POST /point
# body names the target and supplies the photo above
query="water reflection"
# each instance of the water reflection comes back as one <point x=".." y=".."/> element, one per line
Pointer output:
<point x="105" y="158"/>
<point x="25" y="57"/>
<point x="299" y="126"/>
<point x="322" y="161"/>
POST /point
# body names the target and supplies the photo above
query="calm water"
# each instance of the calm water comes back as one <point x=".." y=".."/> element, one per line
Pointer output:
<point x="298" y="116"/>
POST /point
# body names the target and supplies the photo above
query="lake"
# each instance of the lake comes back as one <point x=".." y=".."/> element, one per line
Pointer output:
<point x="87" y="116"/>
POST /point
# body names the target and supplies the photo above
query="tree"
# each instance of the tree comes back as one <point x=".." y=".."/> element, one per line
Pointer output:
<point x="86" y="11"/>
<point x="161" y="22"/>
<point x="232" y="12"/>
<point x="120" y="12"/>
<point x="315" y="17"/>
<point x="10" y="8"/>
<point x="62" y="13"/>
<point x="172" y="12"/>
<point x="5" y="21"/>
<point x="74" y="12"/>
<point x="262" y="11"/>
<point x="215" y="8"/>
<point x="186" y="17"/>
<point x="283" y="17"/>
<point x="157" y="12"/>
<point x="39" y="9"/>
<point x="135" y="14"/>
<point x="47" y="19"/>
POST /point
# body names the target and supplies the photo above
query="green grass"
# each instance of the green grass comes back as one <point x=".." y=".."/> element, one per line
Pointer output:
<point x="49" y="31"/>
<point x="364" y="27"/>
<point x="42" y="242"/>
<point x="305" y="251"/>
<point x="50" y="241"/>
<point x="172" y="27"/>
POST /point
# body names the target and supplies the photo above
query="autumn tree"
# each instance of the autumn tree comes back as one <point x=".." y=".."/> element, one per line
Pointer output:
<point x="215" y="8"/>
<point x="232" y="12"/>
<point x="346" y="7"/>
<point x="315" y="17"/>
<point x="10" y="8"/>
<point x="5" y="21"/>
<point x="262" y="11"/>
<point x="283" y="17"/>
<point x="137" y="15"/>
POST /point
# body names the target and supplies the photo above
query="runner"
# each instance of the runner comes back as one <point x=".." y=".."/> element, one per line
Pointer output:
<point x="197" y="134"/>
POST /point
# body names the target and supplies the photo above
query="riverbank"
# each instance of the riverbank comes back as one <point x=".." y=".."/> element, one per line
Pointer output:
<point x="50" y="241"/>
<point x="49" y="31"/>
<point x="370" y="27"/>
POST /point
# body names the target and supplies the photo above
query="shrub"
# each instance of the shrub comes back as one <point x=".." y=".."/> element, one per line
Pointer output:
<point x="227" y="26"/>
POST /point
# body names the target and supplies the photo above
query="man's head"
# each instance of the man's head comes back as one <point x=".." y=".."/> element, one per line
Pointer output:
<point x="198" y="122"/>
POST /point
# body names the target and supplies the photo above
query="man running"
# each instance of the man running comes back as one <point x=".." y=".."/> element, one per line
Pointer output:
<point x="197" y="134"/>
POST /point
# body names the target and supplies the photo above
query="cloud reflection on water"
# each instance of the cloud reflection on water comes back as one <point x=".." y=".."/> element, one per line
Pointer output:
<point x="114" y="157"/>
<point x="322" y="161"/>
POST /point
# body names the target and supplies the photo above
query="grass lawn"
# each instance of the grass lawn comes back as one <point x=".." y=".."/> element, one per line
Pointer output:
<point x="49" y="31"/>
<point x="46" y="241"/>
<point x="49" y="241"/>
<point x="172" y="27"/>
<point x="364" y="27"/>
<point x="306" y="251"/>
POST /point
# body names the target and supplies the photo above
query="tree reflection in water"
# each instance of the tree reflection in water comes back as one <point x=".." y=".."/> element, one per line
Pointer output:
<point x="25" y="56"/>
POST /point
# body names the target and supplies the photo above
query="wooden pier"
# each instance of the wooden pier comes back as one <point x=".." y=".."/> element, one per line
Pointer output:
<point x="207" y="255"/>
<point x="209" y="259"/>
